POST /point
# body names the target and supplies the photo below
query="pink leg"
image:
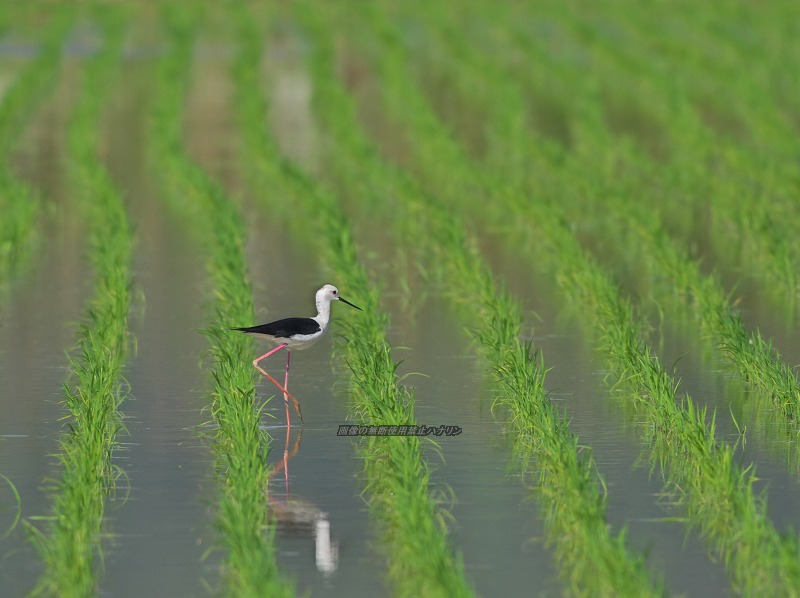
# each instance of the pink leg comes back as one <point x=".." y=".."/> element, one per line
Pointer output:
<point x="286" y="453"/>
<point x="281" y="464"/>
<point x="286" y="393"/>
<point x="268" y="353"/>
<point x="286" y="386"/>
<point x="284" y="463"/>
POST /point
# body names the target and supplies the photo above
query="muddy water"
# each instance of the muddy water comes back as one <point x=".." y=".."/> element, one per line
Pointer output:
<point x="37" y="326"/>
<point x="323" y="475"/>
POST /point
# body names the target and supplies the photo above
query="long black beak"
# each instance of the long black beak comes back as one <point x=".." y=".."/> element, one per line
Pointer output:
<point x="350" y="304"/>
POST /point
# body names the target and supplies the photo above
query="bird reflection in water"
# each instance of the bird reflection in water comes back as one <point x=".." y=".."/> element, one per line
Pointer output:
<point x="299" y="517"/>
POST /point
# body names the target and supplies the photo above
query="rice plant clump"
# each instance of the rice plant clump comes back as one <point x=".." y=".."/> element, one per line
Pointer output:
<point x="19" y="203"/>
<point x="71" y="545"/>
<point x="242" y="446"/>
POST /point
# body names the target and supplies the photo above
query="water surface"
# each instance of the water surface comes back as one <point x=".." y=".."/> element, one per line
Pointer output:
<point x="165" y="525"/>
<point x="38" y="325"/>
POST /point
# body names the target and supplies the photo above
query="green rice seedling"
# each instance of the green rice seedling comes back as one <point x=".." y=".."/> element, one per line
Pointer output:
<point x="593" y="561"/>
<point x="768" y="410"/>
<point x="17" y="500"/>
<point x="749" y="122"/>
<point x="247" y="534"/>
<point x="750" y="198"/>
<point x="679" y="429"/>
<point x="19" y="203"/>
<point x="752" y="356"/>
<point x="71" y="545"/>
<point x="397" y="477"/>
<point x="701" y="473"/>
<point x="663" y="259"/>
<point x="753" y="198"/>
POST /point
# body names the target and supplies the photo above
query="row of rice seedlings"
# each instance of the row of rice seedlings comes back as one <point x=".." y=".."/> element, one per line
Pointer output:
<point x="593" y="561"/>
<point x="752" y="195"/>
<point x="754" y="207"/>
<point x="397" y="476"/>
<point x="762" y="367"/>
<point x="242" y="446"/>
<point x="702" y="474"/>
<point x="752" y="115"/>
<point x="752" y="356"/>
<point x="70" y="547"/>
<point x="19" y="203"/>
<point x="725" y="536"/>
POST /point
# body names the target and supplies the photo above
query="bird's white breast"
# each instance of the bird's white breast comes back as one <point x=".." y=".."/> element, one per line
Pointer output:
<point x="303" y="341"/>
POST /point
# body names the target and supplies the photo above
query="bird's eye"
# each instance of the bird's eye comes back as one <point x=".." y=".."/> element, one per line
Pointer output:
<point x="334" y="292"/>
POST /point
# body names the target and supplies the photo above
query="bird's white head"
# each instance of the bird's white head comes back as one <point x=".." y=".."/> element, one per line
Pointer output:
<point x="328" y="293"/>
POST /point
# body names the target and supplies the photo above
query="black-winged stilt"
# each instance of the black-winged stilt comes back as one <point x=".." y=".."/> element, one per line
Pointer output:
<point x="298" y="334"/>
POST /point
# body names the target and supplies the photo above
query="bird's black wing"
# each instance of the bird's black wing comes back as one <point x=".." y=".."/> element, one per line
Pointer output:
<point x="285" y="328"/>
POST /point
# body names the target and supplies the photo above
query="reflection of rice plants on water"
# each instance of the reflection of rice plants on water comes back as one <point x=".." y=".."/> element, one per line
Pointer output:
<point x="624" y="156"/>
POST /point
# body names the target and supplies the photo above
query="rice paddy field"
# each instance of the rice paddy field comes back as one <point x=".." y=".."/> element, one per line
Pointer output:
<point x="571" y="227"/>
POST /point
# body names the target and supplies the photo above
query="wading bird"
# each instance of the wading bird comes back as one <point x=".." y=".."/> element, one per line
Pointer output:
<point x="296" y="333"/>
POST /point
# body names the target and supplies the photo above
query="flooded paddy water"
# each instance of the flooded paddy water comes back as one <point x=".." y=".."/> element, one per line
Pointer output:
<point x="162" y="522"/>
<point x="38" y="322"/>
<point x="161" y="529"/>
<point x="575" y="382"/>
<point x="323" y="536"/>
